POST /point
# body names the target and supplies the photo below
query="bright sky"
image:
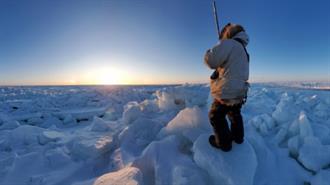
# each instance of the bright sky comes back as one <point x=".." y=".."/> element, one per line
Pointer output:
<point x="47" y="42"/>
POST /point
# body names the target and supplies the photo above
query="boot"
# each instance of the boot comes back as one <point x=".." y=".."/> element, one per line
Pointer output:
<point x="214" y="143"/>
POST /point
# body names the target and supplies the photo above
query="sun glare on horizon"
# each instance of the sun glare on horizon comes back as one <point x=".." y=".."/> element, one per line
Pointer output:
<point x="108" y="76"/>
<point x="101" y="76"/>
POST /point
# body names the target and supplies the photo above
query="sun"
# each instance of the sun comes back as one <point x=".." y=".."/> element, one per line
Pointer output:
<point x="106" y="76"/>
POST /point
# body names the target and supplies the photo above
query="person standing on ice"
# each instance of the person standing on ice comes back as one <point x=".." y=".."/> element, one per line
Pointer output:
<point x="229" y="85"/>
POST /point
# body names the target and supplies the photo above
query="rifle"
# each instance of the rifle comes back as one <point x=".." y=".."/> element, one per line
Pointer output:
<point x="215" y="74"/>
<point x="215" y="12"/>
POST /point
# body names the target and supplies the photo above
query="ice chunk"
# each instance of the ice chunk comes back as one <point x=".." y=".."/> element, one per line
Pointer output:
<point x="85" y="113"/>
<point x="285" y="110"/>
<point x="51" y="121"/>
<point x="69" y="120"/>
<point x="321" y="178"/>
<point x="281" y="135"/>
<point x="313" y="155"/>
<point x="179" y="97"/>
<point x="321" y="110"/>
<point x="263" y="123"/>
<point x="127" y="176"/>
<point x="294" y="144"/>
<point x="29" y="118"/>
<point x="195" y="95"/>
<point x="26" y="166"/>
<point x="301" y="126"/>
<point x="294" y="128"/>
<point x="138" y="135"/>
<point x="235" y="167"/>
<point x="57" y="157"/>
<point x="49" y="136"/>
<point x="166" y="162"/>
<point x="25" y="135"/>
<point x="310" y="100"/>
<point x="149" y="106"/>
<point x="111" y="114"/>
<point x="6" y="160"/>
<point x="91" y="147"/>
<point x="170" y="99"/>
<point x="305" y="129"/>
<point x="260" y="101"/>
<point x="99" y="125"/>
<point x="274" y="166"/>
<point x="131" y="112"/>
<point x="187" y="175"/>
<point x="34" y="121"/>
<point x="119" y="160"/>
<point x="322" y="132"/>
<point x="9" y="125"/>
<point x="190" y="123"/>
<point x="5" y="143"/>
<point x="268" y="120"/>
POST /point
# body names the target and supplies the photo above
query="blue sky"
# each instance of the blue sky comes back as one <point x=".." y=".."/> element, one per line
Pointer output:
<point x="156" y="41"/>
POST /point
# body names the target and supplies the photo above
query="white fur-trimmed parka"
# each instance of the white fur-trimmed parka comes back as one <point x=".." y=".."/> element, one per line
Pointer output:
<point x="231" y="61"/>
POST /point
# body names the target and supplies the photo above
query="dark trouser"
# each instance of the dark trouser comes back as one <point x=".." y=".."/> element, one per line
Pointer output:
<point x="224" y="135"/>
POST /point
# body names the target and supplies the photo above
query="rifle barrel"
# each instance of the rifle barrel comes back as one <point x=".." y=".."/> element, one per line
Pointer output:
<point x="215" y="12"/>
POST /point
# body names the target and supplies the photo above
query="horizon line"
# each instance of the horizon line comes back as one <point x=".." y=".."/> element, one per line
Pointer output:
<point x="156" y="84"/>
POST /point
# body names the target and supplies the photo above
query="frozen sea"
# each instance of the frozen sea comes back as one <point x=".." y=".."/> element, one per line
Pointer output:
<point x="146" y="135"/>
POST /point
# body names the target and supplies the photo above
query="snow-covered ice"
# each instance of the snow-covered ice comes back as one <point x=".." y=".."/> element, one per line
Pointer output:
<point x="85" y="135"/>
<point x="235" y="167"/>
<point x="128" y="176"/>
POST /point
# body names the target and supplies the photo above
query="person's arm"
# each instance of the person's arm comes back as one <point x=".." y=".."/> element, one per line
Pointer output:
<point x="216" y="56"/>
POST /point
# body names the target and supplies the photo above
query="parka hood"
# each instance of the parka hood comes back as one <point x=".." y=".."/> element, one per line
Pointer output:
<point x="243" y="36"/>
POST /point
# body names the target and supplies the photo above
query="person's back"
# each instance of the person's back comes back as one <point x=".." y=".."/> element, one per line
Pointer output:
<point x="229" y="85"/>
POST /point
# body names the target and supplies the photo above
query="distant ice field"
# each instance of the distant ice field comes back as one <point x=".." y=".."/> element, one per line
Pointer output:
<point x="85" y="135"/>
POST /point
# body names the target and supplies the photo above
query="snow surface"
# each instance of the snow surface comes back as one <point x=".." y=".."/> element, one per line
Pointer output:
<point x="86" y="135"/>
<point x="235" y="167"/>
